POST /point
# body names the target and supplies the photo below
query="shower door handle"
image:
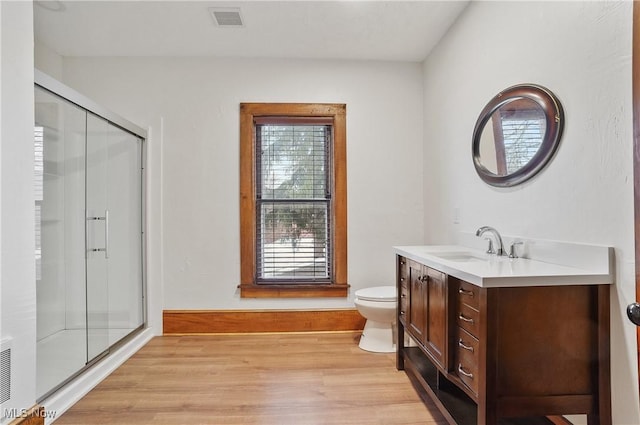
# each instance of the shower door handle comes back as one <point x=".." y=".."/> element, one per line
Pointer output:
<point x="106" y="234"/>
<point x="104" y="218"/>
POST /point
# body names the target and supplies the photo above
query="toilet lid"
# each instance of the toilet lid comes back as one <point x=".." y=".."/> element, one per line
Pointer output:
<point x="377" y="293"/>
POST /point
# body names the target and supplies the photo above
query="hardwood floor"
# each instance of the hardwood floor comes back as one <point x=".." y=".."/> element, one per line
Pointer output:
<point x="301" y="379"/>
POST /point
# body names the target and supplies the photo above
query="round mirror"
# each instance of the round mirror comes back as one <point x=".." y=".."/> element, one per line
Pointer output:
<point x="516" y="134"/>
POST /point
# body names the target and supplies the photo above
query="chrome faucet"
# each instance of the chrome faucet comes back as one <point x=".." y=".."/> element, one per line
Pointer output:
<point x="497" y="237"/>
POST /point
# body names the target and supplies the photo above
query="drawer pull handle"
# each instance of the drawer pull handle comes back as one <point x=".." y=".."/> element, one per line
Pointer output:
<point x="402" y="279"/>
<point x="466" y="319"/>
<point x="464" y="292"/>
<point x="402" y="263"/>
<point x="403" y="296"/>
<point x="462" y="345"/>
<point x="464" y="372"/>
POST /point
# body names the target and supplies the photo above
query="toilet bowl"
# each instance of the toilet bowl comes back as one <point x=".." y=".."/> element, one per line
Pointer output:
<point x="378" y="305"/>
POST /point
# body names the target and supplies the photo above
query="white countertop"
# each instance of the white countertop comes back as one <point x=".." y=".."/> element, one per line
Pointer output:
<point x="491" y="271"/>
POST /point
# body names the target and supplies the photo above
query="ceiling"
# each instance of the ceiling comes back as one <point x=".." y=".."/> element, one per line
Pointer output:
<point x="363" y="30"/>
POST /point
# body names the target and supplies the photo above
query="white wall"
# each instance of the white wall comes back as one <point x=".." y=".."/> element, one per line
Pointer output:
<point x="192" y="105"/>
<point x="582" y="52"/>
<point x="17" y="236"/>
<point x="48" y="60"/>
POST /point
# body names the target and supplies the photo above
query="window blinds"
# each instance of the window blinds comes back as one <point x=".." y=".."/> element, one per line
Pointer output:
<point x="293" y="202"/>
<point x="523" y="132"/>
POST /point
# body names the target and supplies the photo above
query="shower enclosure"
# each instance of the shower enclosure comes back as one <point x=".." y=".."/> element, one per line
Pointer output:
<point x="88" y="182"/>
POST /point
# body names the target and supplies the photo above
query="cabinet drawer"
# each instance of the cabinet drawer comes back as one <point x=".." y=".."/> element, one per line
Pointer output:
<point x="468" y="294"/>
<point x="466" y="359"/>
<point x="468" y="319"/>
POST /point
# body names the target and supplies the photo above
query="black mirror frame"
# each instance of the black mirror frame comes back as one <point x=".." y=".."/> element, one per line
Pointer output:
<point x="554" y="115"/>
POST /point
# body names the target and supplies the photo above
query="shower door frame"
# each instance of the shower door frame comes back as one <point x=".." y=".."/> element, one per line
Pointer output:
<point x="59" y="89"/>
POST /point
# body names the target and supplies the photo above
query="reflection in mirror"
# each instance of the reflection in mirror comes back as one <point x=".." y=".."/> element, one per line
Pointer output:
<point x="513" y="137"/>
<point x="516" y="134"/>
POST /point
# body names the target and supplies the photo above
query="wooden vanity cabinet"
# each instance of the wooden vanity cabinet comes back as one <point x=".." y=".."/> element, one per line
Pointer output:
<point x="427" y="314"/>
<point x="490" y="355"/>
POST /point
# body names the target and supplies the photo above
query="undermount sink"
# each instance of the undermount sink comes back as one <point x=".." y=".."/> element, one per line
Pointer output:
<point x="459" y="256"/>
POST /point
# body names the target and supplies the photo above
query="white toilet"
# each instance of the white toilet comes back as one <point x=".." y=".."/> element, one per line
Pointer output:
<point x="378" y="306"/>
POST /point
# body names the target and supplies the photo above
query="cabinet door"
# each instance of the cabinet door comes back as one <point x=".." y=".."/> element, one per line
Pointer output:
<point x="417" y="301"/>
<point x="435" y="335"/>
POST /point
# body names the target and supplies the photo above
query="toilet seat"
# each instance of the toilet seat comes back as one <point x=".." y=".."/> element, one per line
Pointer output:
<point x="378" y="294"/>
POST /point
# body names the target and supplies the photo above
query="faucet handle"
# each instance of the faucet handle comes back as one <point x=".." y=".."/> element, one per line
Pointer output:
<point x="512" y="249"/>
<point x="490" y="249"/>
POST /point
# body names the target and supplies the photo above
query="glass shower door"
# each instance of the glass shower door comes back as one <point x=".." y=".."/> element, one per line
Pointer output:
<point x="97" y="237"/>
<point x="114" y="233"/>
<point x="89" y="229"/>
<point x="124" y="202"/>
<point x="59" y="186"/>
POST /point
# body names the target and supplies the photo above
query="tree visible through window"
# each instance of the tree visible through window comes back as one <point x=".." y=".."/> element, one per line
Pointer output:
<point x="293" y="200"/>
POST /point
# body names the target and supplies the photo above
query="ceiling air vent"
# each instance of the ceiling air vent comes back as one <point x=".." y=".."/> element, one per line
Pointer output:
<point x="227" y="17"/>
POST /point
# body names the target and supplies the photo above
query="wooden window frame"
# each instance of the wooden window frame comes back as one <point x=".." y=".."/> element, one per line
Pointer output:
<point x="248" y="287"/>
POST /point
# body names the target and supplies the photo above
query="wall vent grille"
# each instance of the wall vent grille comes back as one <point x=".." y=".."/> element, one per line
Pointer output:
<point x="5" y="375"/>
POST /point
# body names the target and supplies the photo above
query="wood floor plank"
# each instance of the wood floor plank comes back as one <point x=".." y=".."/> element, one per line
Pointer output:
<point x="278" y="379"/>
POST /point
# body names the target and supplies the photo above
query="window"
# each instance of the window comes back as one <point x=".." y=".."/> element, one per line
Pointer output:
<point x="293" y="200"/>
<point x="293" y="197"/>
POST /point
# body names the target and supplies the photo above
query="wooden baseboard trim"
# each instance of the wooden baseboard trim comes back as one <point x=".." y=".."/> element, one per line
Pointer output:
<point x="257" y="321"/>
<point x="559" y="420"/>
<point x="33" y="416"/>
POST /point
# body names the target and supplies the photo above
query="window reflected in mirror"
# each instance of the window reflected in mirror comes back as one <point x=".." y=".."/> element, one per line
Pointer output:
<point x="513" y="138"/>
<point x="516" y="134"/>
